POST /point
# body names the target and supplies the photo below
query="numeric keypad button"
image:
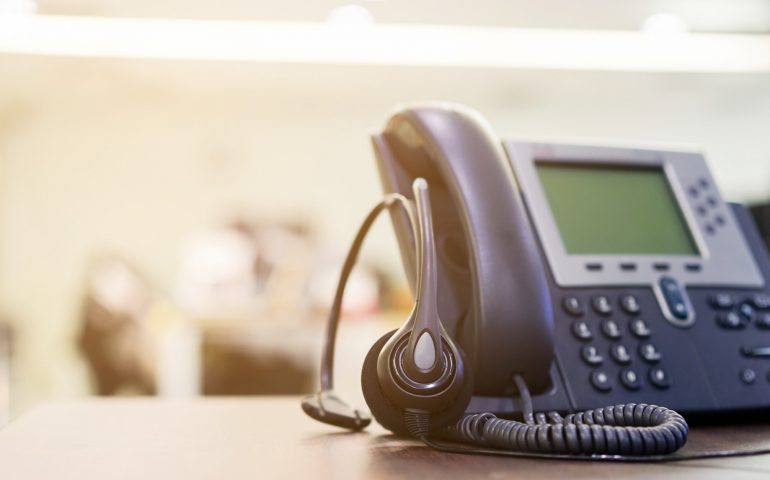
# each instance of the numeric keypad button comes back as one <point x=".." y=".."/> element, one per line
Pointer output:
<point x="630" y="379"/>
<point x="601" y="381"/>
<point x="581" y="331"/>
<point x="660" y="378"/>
<point x="630" y="304"/>
<point x="649" y="353"/>
<point x="602" y="305"/>
<point x="610" y="329"/>
<point x="572" y="306"/>
<point x="639" y="328"/>
<point x="620" y="354"/>
<point x="591" y="355"/>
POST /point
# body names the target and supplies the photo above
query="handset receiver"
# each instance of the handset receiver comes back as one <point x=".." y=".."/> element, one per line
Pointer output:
<point x="509" y="328"/>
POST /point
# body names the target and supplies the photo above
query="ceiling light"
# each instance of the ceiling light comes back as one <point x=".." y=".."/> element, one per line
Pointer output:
<point x="664" y="24"/>
<point x="18" y="7"/>
<point x="350" y="15"/>
<point x="382" y="44"/>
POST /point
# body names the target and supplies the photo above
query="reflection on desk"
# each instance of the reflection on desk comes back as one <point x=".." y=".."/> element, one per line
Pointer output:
<point x="271" y="438"/>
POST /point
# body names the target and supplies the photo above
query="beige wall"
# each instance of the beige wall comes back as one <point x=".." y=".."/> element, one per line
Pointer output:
<point x="130" y="156"/>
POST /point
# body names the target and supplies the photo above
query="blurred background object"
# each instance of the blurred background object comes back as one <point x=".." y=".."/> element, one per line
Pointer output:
<point x="114" y="334"/>
<point x="203" y="166"/>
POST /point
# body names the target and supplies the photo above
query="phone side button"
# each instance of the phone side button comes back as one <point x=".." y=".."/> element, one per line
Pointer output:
<point x="601" y="381"/>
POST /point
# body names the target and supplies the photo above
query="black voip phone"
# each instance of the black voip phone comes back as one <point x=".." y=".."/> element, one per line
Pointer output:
<point x="558" y="278"/>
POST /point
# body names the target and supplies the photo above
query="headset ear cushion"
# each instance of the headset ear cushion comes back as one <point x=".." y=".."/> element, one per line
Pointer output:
<point x="386" y="414"/>
<point x="390" y="415"/>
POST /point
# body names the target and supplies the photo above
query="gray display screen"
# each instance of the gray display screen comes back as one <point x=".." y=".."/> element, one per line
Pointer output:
<point x="615" y="210"/>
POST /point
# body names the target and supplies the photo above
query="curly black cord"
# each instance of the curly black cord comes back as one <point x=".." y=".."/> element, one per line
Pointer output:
<point x="620" y="430"/>
<point x="624" y="432"/>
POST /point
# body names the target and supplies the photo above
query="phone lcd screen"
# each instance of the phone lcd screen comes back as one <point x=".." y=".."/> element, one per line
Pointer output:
<point x="615" y="210"/>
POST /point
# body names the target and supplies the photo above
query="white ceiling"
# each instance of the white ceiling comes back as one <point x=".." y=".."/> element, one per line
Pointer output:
<point x="699" y="15"/>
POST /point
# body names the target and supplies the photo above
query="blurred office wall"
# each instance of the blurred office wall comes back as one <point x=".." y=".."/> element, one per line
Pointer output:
<point x="133" y="156"/>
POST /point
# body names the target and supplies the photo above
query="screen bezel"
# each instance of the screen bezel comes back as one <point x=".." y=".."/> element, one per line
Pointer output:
<point x="724" y="257"/>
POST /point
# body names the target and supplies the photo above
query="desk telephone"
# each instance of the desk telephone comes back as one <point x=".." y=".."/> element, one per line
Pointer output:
<point x="558" y="278"/>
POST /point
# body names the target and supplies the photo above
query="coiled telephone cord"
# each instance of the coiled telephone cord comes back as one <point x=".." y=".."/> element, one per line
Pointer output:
<point x="625" y="433"/>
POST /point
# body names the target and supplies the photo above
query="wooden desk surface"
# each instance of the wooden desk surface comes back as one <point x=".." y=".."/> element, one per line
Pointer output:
<point x="256" y="438"/>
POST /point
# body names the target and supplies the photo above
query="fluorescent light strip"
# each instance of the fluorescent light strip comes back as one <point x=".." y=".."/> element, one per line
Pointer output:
<point x="404" y="45"/>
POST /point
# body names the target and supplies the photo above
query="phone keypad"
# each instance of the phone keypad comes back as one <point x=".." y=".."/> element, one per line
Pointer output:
<point x="625" y="337"/>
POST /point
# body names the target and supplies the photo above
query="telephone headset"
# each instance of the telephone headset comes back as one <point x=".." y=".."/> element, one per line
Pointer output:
<point x="493" y="330"/>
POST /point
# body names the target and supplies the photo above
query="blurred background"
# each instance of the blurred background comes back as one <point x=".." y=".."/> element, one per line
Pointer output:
<point x="179" y="181"/>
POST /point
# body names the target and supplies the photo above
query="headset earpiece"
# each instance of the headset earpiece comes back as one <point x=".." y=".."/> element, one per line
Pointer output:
<point x="419" y="368"/>
<point x="390" y="413"/>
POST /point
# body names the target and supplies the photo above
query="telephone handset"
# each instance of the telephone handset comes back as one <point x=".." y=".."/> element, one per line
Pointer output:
<point x="557" y="278"/>
<point x="493" y="291"/>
